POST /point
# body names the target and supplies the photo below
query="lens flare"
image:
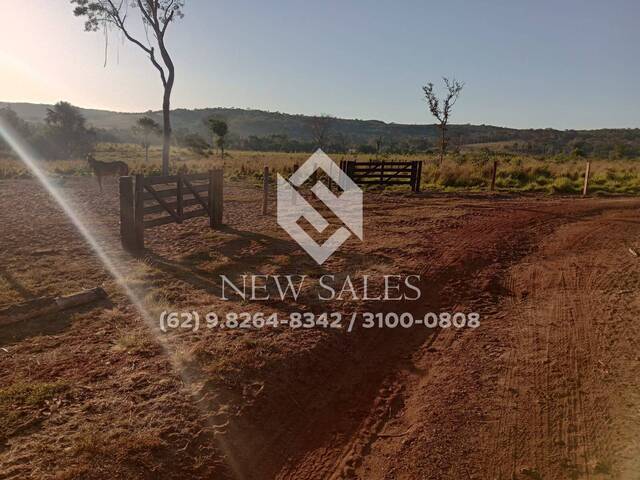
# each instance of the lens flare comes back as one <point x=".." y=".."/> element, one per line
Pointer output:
<point x="31" y="159"/>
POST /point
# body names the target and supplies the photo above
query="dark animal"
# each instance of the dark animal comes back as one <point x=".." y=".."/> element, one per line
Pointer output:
<point x="106" y="169"/>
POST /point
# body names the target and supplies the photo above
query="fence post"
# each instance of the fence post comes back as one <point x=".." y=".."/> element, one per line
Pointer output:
<point x="493" y="175"/>
<point x="211" y="193"/>
<point x="216" y="196"/>
<point x="127" y="226"/>
<point x="350" y="170"/>
<point x="180" y="206"/>
<point x="416" y="175"/>
<point x="139" y="212"/>
<point x="585" y="188"/>
<point x="265" y="190"/>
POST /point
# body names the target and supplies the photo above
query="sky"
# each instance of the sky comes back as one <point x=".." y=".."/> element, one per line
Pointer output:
<point x="526" y="64"/>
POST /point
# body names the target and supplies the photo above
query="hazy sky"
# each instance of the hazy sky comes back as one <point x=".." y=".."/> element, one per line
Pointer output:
<point x="562" y="64"/>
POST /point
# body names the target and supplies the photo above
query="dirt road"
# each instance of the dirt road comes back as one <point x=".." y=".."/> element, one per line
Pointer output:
<point x="546" y="386"/>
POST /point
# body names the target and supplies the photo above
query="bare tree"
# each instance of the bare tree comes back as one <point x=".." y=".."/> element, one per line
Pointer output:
<point x="156" y="15"/>
<point x="320" y="127"/>
<point x="381" y="141"/>
<point x="443" y="112"/>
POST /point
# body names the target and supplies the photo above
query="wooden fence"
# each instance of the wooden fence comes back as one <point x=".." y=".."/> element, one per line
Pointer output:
<point x="158" y="200"/>
<point x="384" y="173"/>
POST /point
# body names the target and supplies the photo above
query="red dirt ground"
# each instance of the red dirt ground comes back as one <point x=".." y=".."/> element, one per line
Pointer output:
<point x="545" y="388"/>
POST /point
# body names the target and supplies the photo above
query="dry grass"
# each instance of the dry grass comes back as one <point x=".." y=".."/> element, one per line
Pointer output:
<point x="467" y="171"/>
<point x="18" y="401"/>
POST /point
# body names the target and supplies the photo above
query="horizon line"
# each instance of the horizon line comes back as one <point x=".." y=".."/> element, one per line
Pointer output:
<point x="122" y="112"/>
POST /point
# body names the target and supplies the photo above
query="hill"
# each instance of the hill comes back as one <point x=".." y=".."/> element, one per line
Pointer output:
<point x="250" y="128"/>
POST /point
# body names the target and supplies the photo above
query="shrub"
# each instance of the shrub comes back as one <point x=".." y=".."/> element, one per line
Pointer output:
<point x="562" y="185"/>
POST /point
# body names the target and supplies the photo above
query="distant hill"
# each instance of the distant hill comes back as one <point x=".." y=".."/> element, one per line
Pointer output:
<point x="245" y="124"/>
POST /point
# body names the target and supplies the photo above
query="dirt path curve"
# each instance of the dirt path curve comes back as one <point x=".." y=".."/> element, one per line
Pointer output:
<point x="540" y="390"/>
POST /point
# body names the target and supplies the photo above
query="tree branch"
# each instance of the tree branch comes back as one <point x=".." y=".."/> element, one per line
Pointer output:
<point x="115" y="14"/>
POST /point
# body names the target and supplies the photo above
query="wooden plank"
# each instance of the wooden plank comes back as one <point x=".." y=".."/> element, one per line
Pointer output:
<point x="386" y="168"/>
<point x="385" y="162"/>
<point x="193" y="177"/>
<point x="377" y="177"/>
<point x="377" y="182"/>
<point x="377" y="165"/>
<point x="172" y="192"/>
<point x="160" y="200"/>
<point x="371" y="173"/>
<point x="159" y="208"/>
<point x="397" y="175"/>
<point x="195" y="193"/>
<point x="159" y="179"/>
<point x="166" y="193"/>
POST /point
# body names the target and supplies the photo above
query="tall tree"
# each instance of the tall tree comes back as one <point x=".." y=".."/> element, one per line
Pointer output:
<point x="67" y="131"/>
<point x="320" y="128"/>
<point x="220" y="129"/>
<point x="442" y="113"/>
<point x="145" y="127"/>
<point x="156" y="15"/>
<point x="11" y="118"/>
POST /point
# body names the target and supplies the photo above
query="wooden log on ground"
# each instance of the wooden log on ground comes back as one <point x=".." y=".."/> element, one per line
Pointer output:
<point x="47" y="305"/>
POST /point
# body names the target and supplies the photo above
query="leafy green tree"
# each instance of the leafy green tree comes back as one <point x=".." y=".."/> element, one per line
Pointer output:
<point x="156" y="16"/>
<point x="145" y="127"/>
<point x="220" y="129"/>
<point x="67" y="132"/>
<point x="10" y="117"/>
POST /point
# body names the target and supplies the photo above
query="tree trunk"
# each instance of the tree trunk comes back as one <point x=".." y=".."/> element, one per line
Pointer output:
<point x="443" y="144"/>
<point x="166" y="128"/>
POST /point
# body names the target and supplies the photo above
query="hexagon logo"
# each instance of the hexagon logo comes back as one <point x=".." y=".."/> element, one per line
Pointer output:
<point x="347" y="206"/>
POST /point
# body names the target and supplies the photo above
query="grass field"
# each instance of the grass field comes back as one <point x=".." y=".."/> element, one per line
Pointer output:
<point x="469" y="171"/>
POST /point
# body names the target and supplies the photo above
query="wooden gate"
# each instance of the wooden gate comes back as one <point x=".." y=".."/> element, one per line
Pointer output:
<point x="384" y="173"/>
<point x="159" y="200"/>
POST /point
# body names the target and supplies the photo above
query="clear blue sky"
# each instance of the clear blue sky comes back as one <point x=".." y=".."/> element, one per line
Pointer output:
<point x="562" y="64"/>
